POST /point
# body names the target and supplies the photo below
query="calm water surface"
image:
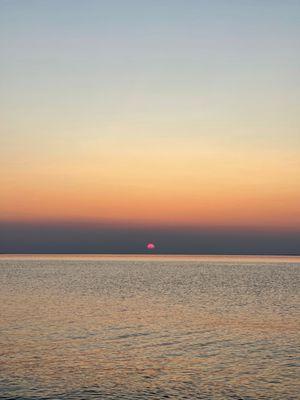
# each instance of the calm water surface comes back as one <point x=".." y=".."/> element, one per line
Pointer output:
<point x="149" y="327"/>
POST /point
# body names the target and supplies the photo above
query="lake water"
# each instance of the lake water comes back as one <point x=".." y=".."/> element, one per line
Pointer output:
<point x="149" y="327"/>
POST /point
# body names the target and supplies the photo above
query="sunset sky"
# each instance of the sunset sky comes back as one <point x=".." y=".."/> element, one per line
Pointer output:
<point x="150" y="115"/>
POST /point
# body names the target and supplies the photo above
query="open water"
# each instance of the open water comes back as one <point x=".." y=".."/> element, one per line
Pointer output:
<point x="149" y="327"/>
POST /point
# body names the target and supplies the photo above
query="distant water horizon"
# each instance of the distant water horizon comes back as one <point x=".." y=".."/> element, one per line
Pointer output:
<point x="198" y="255"/>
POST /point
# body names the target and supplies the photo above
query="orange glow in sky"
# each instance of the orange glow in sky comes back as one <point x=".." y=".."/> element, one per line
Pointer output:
<point x="172" y="120"/>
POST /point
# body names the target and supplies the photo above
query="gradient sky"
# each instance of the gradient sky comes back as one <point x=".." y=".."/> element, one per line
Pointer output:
<point x="167" y="115"/>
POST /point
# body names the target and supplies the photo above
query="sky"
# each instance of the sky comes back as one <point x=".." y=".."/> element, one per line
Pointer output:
<point x="170" y="121"/>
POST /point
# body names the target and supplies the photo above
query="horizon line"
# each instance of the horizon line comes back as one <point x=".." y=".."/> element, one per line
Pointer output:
<point x="155" y="254"/>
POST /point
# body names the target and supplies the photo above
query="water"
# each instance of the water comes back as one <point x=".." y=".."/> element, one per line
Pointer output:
<point x="149" y="327"/>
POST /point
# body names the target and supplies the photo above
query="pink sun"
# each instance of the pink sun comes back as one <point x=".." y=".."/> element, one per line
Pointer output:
<point x="150" y="246"/>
